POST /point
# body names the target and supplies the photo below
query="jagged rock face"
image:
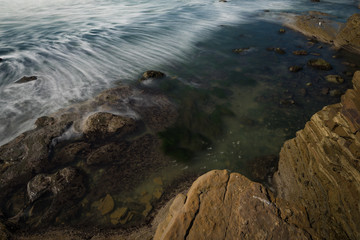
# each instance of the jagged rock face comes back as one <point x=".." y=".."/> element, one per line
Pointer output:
<point x="348" y="37"/>
<point x="320" y="169"/>
<point x="327" y="30"/>
<point x="220" y="205"/>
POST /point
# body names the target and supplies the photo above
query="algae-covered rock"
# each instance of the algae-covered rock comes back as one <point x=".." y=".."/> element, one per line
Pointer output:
<point x="320" y="64"/>
<point x="240" y="50"/>
<point x="334" y="79"/>
<point x="106" y="204"/>
<point x="103" y="124"/>
<point x="152" y="74"/>
<point x="300" y="52"/>
<point x="295" y="68"/>
<point x="118" y="214"/>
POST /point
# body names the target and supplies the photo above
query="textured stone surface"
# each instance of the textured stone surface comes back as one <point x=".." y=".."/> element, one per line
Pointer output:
<point x="348" y="37"/>
<point x="39" y="184"/>
<point x="220" y="205"/>
<point x="320" y="170"/>
<point x="325" y="29"/>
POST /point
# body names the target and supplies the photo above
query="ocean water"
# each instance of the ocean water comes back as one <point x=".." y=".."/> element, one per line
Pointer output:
<point x="78" y="48"/>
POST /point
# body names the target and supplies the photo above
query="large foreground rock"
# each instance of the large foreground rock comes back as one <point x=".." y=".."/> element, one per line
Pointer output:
<point x="220" y="205"/>
<point x="320" y="169"/>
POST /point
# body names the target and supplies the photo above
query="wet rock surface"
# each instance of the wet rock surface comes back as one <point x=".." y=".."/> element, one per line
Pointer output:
<point x="152" y="74"/>
<point x="325" y="29"/>
<point x="80" y="154"/>
<point x="26" y="79"/>
<point x="320" y="64"/>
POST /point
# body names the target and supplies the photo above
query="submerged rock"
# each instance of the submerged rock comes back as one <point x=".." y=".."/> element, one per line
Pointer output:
<point x="57" y="183"/>
<point x="106" y="205"/>
<point x="335" y="93"/>
<point x="300" y="52"/>
<point x="152" y="74"/>
<point x="96" y="143"/>
<point x="240" y="50"/>
<point x="334" y="79"/>
<point x="281" y="30"/>
<point x="320" y="64"/>
<point x="279" y="50"/>
<point x="26" y="79"/>
<point x="295" y="68"/>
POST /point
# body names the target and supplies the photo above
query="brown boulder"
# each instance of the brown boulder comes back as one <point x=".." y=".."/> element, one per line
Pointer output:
<point x="220" y="205"/>
<point x="320" y="64"/>
<point x="152" y="74"/>
<point x="334" y="79"/>
<point x="103" y="124"/>
<point x="300" y="52"/>
<point x="348" y="36"/>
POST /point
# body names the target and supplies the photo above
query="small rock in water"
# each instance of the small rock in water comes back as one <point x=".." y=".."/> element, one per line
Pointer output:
<point x="222" y="1"/>
<point x="325" y="90"/>
<point x="335" y="93"/>
<point x="315" y="54"/>
<point x="152" y="74"/>
<point x="240" y="50"/>
<point x="106" y="204"/>
<point x="300" y="52"/>
<point x="295" y="68"/>
<point x="303" y="92"/>
<point x="280" y="51"/>
<point x="334" y="79"/>
<point x="26" y="79"/>
<point x="1" y="59"/>
<point x="287" y="102"/>
<point x="282" y="30"/>
<point x="315" y="0"/>
<point x="319" y="63"/>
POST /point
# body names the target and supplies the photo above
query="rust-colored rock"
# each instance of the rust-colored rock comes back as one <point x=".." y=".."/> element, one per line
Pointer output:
<point x="220" y="205"/>
<point x="320" y="170"/>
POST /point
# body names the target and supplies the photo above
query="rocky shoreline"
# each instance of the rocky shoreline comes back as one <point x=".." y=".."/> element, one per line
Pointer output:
<point x="314" y="194"/>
